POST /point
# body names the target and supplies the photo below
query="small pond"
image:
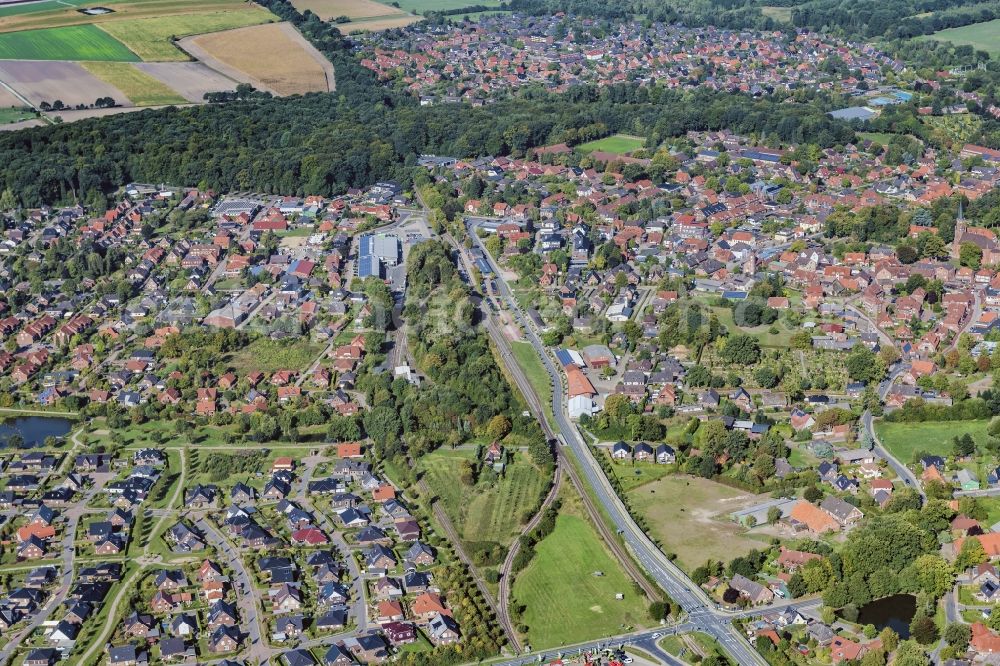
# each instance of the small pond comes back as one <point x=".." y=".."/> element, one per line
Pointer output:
<point x="894" y="612"/>
<point x="34" y="429"/>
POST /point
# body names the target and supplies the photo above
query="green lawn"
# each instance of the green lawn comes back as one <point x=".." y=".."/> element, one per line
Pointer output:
<point x="631" y="475"/>
<point x="150" y="37"/>
<point x="14" y="115"/>
<point x="782" y="14"/>
<point x="689" y="516"/>
<point x="533" y="369"/>
<point x="881" y="138"/>
<point x="980" y="36"/>
<point x="903" y="439"/>
<point x="77" y="42"/>
<point x="487" y="511"/>
<point x="616" y="143"/>
<point x="268" y="355"/>
<point x="564" y="601"/>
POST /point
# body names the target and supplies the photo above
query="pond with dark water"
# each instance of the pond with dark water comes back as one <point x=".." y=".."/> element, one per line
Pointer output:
<point x="34" y="429"/>
<point x="895" y="612"/>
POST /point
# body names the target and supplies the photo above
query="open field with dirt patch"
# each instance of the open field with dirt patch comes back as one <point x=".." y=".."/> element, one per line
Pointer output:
<point x="44" y="81"/>
<point x="354" y="9"/>
<point x="150" y="37"/>
<point x="191" y="80"/>
<point x="79" y="42"/>
<point x="9" y="99"/>
<point x="140" y="87"/>
<point x="300" y="69"/>
<point x="689" y="516"/>
<point x="565" y="602"/>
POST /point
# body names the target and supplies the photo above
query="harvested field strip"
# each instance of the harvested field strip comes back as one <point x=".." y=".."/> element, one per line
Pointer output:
<point x="81" y="42"/>
<point x="191" y="80"/>
<point x="300" y="69"/>
<point x="377" y="23"/>
<point x="42" y="81"/>
<point x="141" y="88"/>
<point x="354" y="9"/>
<point x="150" y="38"/>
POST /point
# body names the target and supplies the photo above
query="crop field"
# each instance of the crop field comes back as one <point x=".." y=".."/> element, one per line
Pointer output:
<point x="689" y="516"/>
<point x="980" y="36"/>
<point x="376" y="23"/>
<point x="353" y="9"/>
<point x="79" y="42"/>
<point x="56" y="14"/>
<point x="41" y="81"/>
<point x="300" y="69"/>
<point x="150" y="37"/>
<point x="616" y="143"/>
<point x="904" y="439"/>
<point x="140" y="87"/>
<point x="487" y="512"/>
<point x="191" y="80"/>
<point x="569" y="587"/>
<point x="421" y="6"/>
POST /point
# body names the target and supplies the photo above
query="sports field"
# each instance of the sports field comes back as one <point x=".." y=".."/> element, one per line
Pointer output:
<point x="569" y="587"/>
<point x="78" y="42"/>
<point x="903" y="439"/>
<point x="689" y="516"/>
<point x="980" y="36"/>
<point x="150" y="37"/>
<point x="616" y="143"/>
<point x="140" y="87"/>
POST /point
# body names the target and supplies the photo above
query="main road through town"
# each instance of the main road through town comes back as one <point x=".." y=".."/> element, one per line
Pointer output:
<point x="702" y="614"/>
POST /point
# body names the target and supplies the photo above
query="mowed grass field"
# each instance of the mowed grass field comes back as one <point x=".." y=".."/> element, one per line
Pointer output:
<point x="486" y="512"/>
<point x="616" y="143"/>
<point x="980" y="36"/>
<point x="79" y="42"/>
<point x="564" y="601"/>
<point x="782" y="14"/>
<point x="141" y="88"/>
<point x="689" y="516"/>
<point x="150" y="37"/>
<point x="904" y="439"/>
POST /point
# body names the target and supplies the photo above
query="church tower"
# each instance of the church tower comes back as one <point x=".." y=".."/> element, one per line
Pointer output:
<point x="960" y="227"/>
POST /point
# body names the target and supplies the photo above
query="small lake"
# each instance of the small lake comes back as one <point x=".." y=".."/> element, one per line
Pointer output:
<point x="34" y="429"/>
<point x="894" y="612"/>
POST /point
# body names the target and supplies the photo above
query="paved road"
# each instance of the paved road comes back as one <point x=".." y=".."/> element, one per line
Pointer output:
<point x="866" y="421"/>
<point x="702" y="613"/>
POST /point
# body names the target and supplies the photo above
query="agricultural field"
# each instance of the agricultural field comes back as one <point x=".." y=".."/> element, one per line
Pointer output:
<point x="151" y="38"/>
<point x="980" y="36"/>
<point x="491" y="511"/>
<point x="421" y="6"/>
<point x="190" y="80"/>
<point x="689" y="516"/>
<point x="619" y="144"/>
<point x="300" y="69"/>
<point x="14" y="115"/>
<point x="80" y="42"/>
<point x="353" y="9"/>
<point x="568" y="590"/>
<point x="50" y="81"/>
<point x="140" y="87"/>
<point x="376" y="23"/>
<point x="902" y="440"/>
